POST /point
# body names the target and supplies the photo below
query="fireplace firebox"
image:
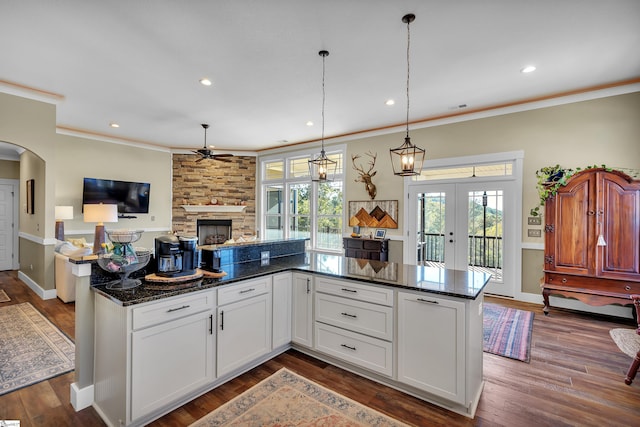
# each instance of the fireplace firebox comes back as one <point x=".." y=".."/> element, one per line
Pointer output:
<point x="213" y="231"/>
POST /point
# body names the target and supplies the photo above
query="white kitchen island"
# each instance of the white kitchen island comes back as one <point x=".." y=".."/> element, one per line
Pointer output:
<point x="415" y="329"/>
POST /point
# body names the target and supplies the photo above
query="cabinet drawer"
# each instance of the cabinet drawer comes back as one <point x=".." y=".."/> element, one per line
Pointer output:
<point x="242" y="290"/>
<point x="353" y="243"/>
<point x="172" y="308"/>
<point x="357" y="316"/>
<point x="355" y="290"/>
<point x="372" y="245"/>
<point x="366" y="352"/>
<point x="592" y="284"/>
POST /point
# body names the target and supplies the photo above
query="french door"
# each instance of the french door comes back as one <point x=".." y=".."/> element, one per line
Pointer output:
<point x="465" y="226"/>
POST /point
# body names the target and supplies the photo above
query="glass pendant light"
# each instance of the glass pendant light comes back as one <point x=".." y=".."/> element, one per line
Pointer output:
<point x="322" y="168"/>
<point x="407" y="159"/>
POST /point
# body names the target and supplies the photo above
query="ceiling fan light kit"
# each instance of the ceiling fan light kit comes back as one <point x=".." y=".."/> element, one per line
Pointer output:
<point x="322" y="168"/>
<point x="407" y="160"/>
<point x="206" y="153"/>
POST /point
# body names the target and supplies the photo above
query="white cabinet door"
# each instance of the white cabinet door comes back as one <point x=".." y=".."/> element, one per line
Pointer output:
<point x="431" y="345"/>
<point x="244" y="332"/>
<point x="170" y="360"/>
<point x="302" y="322"/>
<point x="281" y="309"/>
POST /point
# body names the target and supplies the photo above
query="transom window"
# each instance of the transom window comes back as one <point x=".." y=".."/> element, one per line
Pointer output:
<point x="471" y="171"/>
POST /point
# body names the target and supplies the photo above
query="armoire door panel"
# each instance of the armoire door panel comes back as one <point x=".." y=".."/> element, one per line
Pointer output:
<point x="573" y="217"/>
<point x="618" y="223"/>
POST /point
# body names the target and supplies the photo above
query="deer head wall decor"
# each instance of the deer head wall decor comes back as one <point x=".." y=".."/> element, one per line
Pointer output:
<point x="366" y="176"/>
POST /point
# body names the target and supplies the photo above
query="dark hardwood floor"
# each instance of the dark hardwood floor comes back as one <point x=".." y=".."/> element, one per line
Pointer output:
<point x="575" y="378"/>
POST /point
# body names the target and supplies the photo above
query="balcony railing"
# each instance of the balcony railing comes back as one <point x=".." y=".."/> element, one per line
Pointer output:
<point x="483" y="251"/>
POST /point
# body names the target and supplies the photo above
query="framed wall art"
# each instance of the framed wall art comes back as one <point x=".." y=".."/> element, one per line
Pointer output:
<point x="30" y="196"/>
<point x="374" y="213"/>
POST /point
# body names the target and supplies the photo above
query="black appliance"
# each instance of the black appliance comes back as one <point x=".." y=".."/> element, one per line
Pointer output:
<point x="210" y="259"/>
<point x="176" y="256"/>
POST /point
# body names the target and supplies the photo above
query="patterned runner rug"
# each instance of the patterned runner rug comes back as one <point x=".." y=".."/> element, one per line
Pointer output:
<point x="287" y="399"/>
<point x="32" y="349"/>
<point x="3" y="296"/>
<point x="507" y="332"/>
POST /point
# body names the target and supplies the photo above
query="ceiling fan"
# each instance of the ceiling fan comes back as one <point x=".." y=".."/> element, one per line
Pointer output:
<point x="207" y="153"/>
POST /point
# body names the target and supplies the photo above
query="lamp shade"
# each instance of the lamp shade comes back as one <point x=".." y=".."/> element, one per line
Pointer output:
<point x="100" y="213"/>
<point x="64" y="212"/>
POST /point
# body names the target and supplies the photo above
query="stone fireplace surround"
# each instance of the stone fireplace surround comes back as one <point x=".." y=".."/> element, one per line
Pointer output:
<point x="231" y="183"/>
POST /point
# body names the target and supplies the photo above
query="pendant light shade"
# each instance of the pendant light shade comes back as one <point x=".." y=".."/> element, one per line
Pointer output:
<point x="322" y="168"/>
<point x="407" y="159"/>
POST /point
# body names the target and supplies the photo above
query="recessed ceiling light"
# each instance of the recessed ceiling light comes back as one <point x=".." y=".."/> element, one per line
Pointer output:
<point x="389" y="102"/>
<point x="114" y="125"/>
<point x="528" y="69"/>
<point x="309" y="123"/>
<point x="205" y="81"/>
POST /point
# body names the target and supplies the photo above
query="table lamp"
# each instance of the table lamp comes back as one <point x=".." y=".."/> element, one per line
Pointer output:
<point x="62" y="213"/>
<point x="100" y="213"/>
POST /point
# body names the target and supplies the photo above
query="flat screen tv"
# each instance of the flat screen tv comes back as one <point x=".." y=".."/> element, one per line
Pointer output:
<point x="131" y="197"/>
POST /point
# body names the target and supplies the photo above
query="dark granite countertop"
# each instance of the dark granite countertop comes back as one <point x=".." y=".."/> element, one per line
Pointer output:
<point x="456" y="283"/>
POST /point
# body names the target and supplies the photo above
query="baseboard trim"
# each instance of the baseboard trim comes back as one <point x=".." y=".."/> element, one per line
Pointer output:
<point x="81" y="398"/>
<point x="42" y="293"/>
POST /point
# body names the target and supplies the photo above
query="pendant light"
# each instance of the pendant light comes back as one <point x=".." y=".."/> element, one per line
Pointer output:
<point x="407" y="159"/>
<point x="322" y="168"/>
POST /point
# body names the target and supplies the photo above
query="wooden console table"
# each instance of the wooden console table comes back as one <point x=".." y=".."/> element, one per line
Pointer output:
<point x="377" y="249"/>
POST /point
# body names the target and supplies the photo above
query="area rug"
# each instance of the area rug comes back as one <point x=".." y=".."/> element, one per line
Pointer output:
<point x="32" y="349"/>
<point x="3" y="296"/>
<point x="627" y="340"/>
<point x="287" y="399"/>
<point x="507" y="332"/>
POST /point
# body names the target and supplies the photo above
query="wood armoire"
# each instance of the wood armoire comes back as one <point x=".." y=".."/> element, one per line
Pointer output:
<point x="592" y="239"/>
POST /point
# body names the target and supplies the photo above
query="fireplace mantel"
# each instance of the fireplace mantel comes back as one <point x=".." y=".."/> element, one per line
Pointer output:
<point x="214" y="208"/>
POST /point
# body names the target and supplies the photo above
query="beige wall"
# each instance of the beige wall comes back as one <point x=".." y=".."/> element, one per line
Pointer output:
<point x="78" y="158"/>
<point x="598" y="131"/>
<point x="58" y="163"/>
<point x="9" y="169"/>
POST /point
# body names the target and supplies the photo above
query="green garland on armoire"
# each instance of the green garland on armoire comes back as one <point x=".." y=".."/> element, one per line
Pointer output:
<point x="550" y="178"/>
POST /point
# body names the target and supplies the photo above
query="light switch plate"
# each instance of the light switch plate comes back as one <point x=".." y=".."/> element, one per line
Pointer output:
<point x="534" y="233"/>
<point x="534" y="220"/>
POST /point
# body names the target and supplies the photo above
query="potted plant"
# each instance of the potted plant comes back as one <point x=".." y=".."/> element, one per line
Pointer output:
<point x="550" y="178"/>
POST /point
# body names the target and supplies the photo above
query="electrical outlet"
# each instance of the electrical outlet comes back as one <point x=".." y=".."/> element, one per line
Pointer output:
<point x="534" y="220"/>
<point x="534" y="233"/>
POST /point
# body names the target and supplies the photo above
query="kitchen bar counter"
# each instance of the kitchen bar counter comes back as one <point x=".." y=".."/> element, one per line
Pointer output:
<point x="456" y="283"/>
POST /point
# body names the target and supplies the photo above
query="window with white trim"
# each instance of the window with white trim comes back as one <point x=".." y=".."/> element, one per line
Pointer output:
<point x="293" y="206"/>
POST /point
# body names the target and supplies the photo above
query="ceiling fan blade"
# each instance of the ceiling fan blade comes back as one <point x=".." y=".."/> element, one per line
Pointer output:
<point x="223" y="155"/>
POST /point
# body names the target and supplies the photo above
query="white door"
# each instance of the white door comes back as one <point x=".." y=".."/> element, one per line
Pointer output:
<point x="6" y="226"/>
<point x="465" y="225"/>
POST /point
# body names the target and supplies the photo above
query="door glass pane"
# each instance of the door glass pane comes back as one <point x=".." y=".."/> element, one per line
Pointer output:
<point x="485" y="226"/>
<point x="431" y="231"/>
<point x="299" y="210"/>
<point x="273" y="212"/>
<point x="329" y="229"/>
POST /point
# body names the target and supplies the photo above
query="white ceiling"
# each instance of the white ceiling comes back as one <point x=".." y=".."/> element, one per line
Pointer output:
<point x="138" y="62"/>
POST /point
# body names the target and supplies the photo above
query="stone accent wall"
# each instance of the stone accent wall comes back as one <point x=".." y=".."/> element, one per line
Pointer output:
<point x="196" y="183"/>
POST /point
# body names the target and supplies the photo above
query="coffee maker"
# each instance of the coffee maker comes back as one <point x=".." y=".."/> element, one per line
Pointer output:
<point x="176" y="256"/>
